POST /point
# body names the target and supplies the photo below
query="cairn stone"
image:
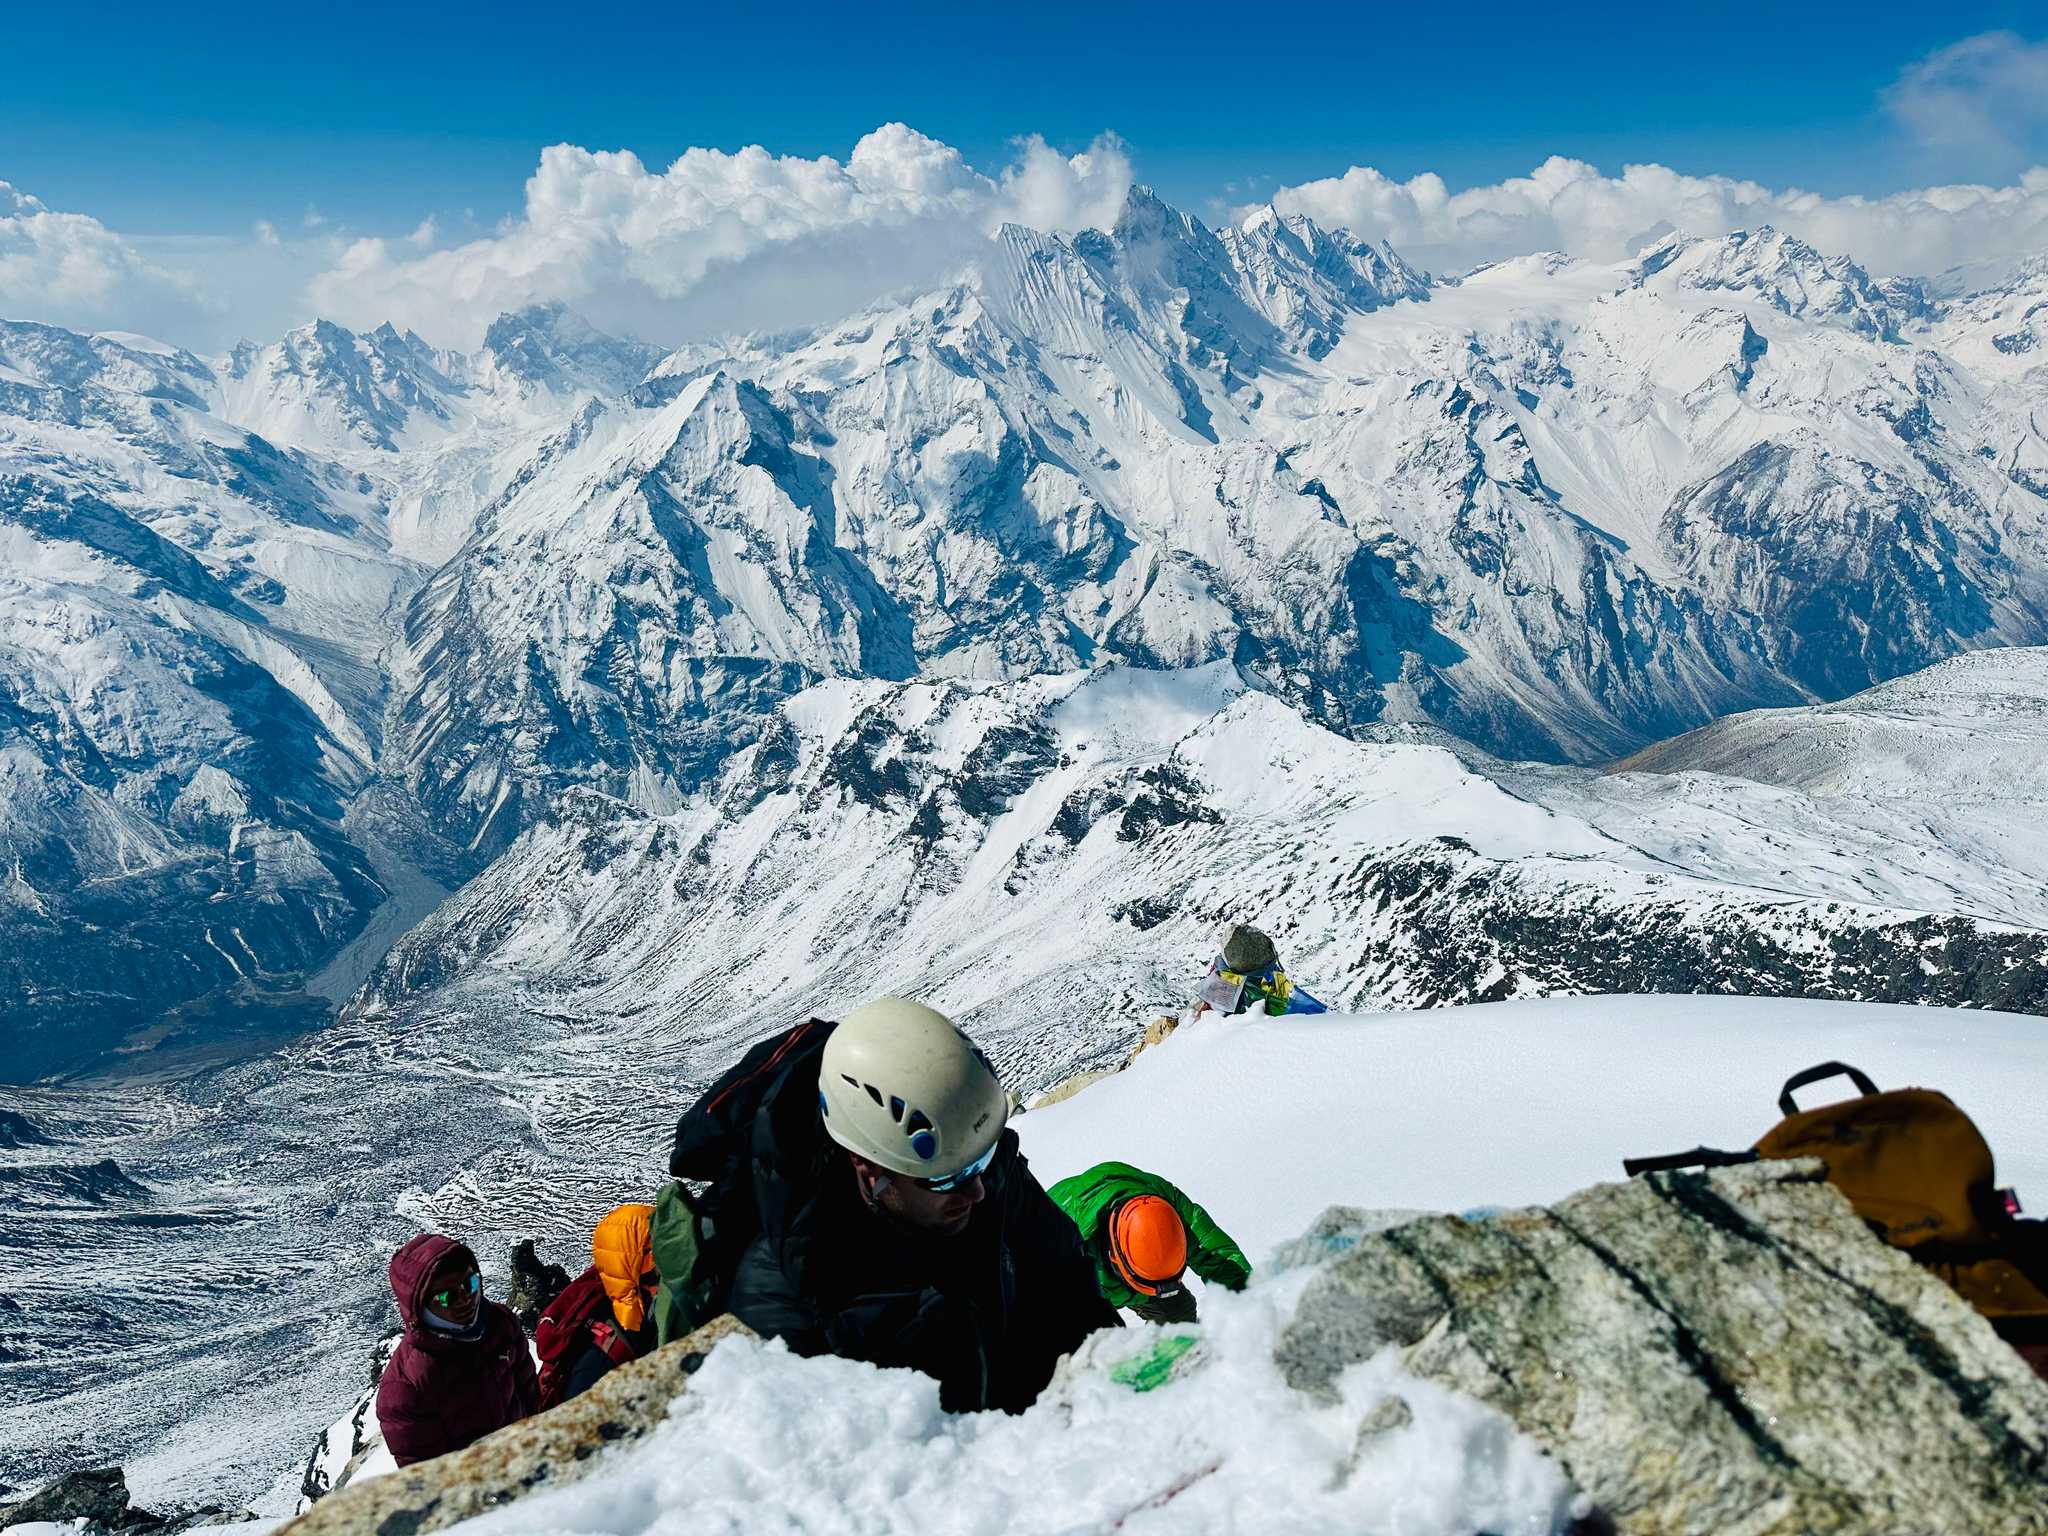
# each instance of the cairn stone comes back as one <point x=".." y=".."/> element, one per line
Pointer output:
<point x="1724" y="1353"/>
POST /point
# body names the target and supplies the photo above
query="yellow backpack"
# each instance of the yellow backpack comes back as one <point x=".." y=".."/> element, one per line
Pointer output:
<point x="1920" y="1172"/>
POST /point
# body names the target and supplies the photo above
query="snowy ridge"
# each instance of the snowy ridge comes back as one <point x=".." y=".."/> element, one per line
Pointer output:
<point x="1074" y="839"/>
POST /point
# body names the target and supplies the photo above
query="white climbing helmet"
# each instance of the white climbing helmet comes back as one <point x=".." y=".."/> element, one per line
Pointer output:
<point x="901" y="1086"/>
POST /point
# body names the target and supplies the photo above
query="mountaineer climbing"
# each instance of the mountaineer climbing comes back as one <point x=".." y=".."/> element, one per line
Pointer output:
<point x="1246" y="975"/>
<point x="1144" y="1235"/>
<point x="603" y="1317"/>
<point x="462" y="1369"/>
<point x="866" y="1200"/>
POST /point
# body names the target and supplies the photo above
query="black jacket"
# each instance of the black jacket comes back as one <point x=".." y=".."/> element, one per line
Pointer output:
<point x="988" y="1313"/>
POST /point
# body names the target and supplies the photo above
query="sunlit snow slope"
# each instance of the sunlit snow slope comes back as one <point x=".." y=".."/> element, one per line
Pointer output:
<point x="1061" y="848"/>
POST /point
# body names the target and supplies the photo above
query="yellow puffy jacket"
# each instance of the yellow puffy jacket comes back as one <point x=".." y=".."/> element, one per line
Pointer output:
<point x="622" y="1248"/>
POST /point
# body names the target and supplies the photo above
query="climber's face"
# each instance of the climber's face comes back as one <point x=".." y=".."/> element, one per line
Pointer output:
<point x="455" y="1292"/>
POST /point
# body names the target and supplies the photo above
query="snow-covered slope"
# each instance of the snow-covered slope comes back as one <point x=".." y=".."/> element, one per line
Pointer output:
<point x="1075" y="839"/>
<point x="199" y="570"/>
<point x="1963" y="733"/>
<point x="1267" y="1121"/>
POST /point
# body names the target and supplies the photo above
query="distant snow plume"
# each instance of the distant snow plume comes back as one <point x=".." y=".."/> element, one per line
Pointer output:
<point x="721" y="242"/>
<point x="70" y="269"/>
<point x="1568" y="205"/>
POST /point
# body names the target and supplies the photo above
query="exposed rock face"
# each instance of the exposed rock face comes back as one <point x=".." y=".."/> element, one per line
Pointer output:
<point x="339" y="1451"/>
<point x="1727" y="1352"/>
<point x="548" y="1451"/>
<point x="94" y="1500"/>
<point x="97" y="1495"/>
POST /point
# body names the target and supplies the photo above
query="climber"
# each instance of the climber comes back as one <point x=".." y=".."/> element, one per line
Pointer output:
<point x="462" y="1369"/>
<point x="866" y="1200"/>
<point x="1144" y="1235"/>
<point x="603" y="1317"/>
<point x="1246" y="976"/>
<point x="535" y="1283"/>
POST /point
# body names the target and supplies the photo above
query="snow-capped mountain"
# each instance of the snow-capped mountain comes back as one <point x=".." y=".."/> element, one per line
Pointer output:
<point x="394" y="599"/>
<point x="200" y="566"/>
<point x="1561" y="510"/>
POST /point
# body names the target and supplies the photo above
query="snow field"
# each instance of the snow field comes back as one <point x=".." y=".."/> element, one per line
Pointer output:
<point x="765" y="1442"/>
<point x="1269" y="1121"/>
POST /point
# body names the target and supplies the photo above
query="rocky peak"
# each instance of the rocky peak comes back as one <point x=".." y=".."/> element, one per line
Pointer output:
<point x="324" y="385"/>
<point x="552" y="348"/>
<point x="1307" y="280"/>
<point x="1782" y="271"/>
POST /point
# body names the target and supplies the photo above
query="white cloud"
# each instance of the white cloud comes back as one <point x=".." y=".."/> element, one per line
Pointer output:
<point x="1568" y="205"/>
<point x="1982" y="102"/>
<point x="70" y="269"/>
<point x="724" y="241"/>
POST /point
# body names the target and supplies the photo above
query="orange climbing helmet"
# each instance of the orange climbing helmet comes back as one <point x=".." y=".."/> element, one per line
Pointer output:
<point x="1148" y="1244"/>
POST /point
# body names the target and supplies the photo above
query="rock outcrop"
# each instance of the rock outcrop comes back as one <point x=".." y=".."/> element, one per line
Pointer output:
<point x="94" y="1501"/>
<point x="1155" y="1032"/>
<point x="1728" y="1353"/>
<point x="548" y="1451"/>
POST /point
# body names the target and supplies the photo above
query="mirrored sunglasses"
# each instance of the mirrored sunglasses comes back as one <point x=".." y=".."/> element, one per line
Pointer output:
<point x="453" y="1294"/>
<point x="967" y="1175"/>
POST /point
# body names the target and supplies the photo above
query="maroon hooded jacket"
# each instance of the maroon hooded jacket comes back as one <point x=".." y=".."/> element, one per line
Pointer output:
<point x="441" y="1393"/>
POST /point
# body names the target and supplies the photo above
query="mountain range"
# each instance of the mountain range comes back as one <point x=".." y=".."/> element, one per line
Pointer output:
<point x="298" y="639"/>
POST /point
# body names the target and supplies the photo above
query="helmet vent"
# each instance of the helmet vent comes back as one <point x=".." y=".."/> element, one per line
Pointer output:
<point x="895" y="1108"/>
<point x="918" y="1121"/>
<point x="874" y="1093"/>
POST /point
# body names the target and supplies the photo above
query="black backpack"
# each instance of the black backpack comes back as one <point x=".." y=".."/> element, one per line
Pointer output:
<point x="701" y="1234"/>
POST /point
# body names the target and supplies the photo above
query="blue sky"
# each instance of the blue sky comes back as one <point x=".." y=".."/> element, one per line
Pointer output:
<point x="169" y="120"/>
<point x="206" y="174"/>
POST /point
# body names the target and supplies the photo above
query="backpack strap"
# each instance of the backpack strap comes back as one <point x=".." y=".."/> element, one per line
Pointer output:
<point x="1698" y="1157"/>
<point x="613" y="1341"/>
<point x="1827" y="1069"/>
<point x="711" y="1134"/>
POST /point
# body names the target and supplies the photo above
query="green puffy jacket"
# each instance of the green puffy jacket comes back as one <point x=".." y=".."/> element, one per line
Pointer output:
<point x="1089" y="1197"/>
